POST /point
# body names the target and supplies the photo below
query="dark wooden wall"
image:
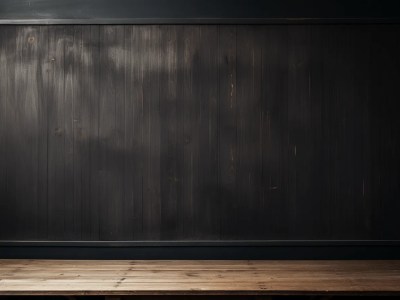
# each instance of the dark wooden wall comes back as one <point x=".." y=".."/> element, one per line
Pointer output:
<point x="199" y="132"/>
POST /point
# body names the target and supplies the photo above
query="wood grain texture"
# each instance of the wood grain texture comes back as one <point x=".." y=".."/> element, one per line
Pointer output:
<point x="7" y="56"/>
<point x="51" y="277"/>
<point x="227" y="148"/>
<point x="56" y="181"/>
<point x="111" y="132"/>
<point x="233" y="132"/>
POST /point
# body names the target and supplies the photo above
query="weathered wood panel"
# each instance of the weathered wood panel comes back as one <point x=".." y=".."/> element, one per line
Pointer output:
<point x="7" y="71"/>
<point x="199" y="132"/>
<point x="320" y="278"/>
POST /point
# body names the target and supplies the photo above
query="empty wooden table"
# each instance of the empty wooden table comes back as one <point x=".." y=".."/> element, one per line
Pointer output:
<point x="194" y="277"/>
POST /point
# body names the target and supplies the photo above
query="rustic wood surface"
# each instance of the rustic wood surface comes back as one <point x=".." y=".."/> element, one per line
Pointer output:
<point x="211" y="132"/>
<point x="69" y="277"/>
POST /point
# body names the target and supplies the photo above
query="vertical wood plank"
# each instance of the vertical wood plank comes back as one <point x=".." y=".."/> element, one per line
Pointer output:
<point x="111" y="131"/>
<point x="134" y="124"/>
<point x="331" y="105"/>
<point x="227" y="126"/>
<point x="359" y="132"/>
<point x="180" y="147"/>
<point x="4" y="202"/>
<point x="249" y="117"/>
<point x="84" y="137"/>
<point x="168" y="131"/>
<point x="150" y="47"/>
<point x="190" y="129"/>
<point x="71" y="119"/>
<point x="132" y="226"/>
<point x="363" y="95"/>
<point x="30" y="42"/>
<point x="93" y="222"/>
<point x="302" y="155"/>
<point x="171" y="131"/>
<point x="42" y="176"/>
<point x="342" y="117"/>
<point x="7" y="170"/>
<point x="275" y="132"/>
<point x="318" y="190"/>
<point x="385" y="125"/>
<point x="56" y="134"/>
<point x="207" y="221"/>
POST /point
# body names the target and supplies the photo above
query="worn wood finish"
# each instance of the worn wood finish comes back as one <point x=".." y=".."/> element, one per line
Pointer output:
<point x="199" y="132"/>
<point x="52" y="277"/>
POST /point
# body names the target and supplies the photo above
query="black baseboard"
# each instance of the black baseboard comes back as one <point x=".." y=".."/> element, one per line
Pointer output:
<point x="202" y="250"/>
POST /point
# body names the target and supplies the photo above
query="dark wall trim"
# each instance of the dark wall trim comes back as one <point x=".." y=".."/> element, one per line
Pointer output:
<point x="200" y="21"/>
<point x="202" y="250"/>
<point x="198" y="11"/>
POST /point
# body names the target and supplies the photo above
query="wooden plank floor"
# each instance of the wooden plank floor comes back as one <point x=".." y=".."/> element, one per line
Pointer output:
<point x="69" y="277"/>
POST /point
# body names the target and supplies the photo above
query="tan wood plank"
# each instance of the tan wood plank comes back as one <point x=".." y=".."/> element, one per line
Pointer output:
<point x="68" y="277"/>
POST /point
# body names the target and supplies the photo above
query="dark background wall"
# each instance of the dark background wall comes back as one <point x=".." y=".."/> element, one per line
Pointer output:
<point x="199" y="132"/>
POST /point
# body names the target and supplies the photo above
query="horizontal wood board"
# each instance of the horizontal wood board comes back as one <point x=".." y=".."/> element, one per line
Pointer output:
<point x="55" y="277"/>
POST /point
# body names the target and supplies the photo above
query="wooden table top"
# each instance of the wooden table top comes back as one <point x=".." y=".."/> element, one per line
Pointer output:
<point x="194" y="277"/>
